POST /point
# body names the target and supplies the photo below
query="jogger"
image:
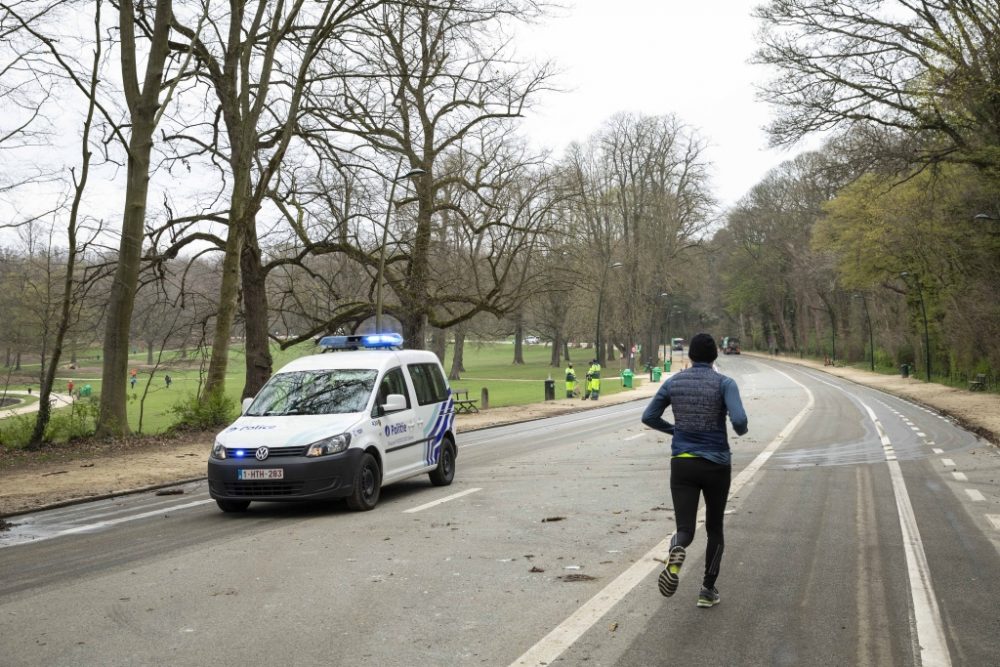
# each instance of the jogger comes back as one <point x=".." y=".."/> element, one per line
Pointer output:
<point x="701" y="463"/>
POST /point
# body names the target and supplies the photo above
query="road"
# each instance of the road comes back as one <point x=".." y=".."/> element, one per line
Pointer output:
<point x="862" y="529"/>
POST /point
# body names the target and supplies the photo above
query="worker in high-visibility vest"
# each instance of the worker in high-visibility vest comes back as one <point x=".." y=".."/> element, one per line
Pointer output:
<point x="570" y="380"/>
<point x="595" y="379"/>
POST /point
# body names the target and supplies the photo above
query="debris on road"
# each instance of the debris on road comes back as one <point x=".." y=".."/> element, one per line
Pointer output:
<point x="550" y="519"/>
<point x="170" y="492"/>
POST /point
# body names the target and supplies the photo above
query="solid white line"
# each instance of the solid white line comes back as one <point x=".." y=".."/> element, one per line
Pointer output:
<point x="947" y="463"/>
<point x="929" y="625"/>
<point x="125" y="519"/>
<point x="435" y="503"/>
<point x="994" y="519"/>
<point x="976" y="495"/>
<point x="552" y="645"/>
<point x="960" y="476"/>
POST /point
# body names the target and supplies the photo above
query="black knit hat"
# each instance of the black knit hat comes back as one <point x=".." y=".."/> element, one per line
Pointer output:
<point x="702" y="348"/>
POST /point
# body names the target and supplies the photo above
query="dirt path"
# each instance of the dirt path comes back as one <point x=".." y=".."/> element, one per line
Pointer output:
<point x="34" y="484"/>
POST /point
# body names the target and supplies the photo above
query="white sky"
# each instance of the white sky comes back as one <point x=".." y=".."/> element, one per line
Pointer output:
<point x="686" y="57"/>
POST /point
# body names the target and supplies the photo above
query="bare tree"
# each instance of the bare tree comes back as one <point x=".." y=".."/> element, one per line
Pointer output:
<point x="425" y="77"/>
<point x="927" y="69"/>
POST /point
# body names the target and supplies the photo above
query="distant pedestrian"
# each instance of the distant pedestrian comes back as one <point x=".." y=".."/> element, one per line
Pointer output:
<point x="133" y="381"/>
<point x="701" y="462"/>
<point x="69" y="387"/>
<point x="570" y="380"/>
<point x="167" y="380"/>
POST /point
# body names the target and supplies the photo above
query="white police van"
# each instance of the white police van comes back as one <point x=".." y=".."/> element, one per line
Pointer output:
<point x="339" y="425"/>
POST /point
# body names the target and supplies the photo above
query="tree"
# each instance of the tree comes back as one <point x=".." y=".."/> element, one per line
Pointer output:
<point x="928" y="70"/>
<point x="426" y="78"/>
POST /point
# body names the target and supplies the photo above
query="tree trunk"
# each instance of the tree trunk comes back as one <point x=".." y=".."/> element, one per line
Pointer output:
<point x="518" y="343"/>
<point x="143" y="104"/>
<point x="113" y="418"/>
<point x="149" y="352"/>
<point x="565" y="346"/>
<point x="439" y="343"/>
<point x="555" y="358"/>
<point x="458" y="357"/>
<point x="259" y="364"/>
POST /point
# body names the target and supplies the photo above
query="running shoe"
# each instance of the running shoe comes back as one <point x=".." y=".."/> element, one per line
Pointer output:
<point x="671" y="571"/>
<point x="709" y="597"/>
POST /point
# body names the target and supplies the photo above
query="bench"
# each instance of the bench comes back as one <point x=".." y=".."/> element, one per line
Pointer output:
<point x="979" y="384"/>
<point x="462" y="401"/>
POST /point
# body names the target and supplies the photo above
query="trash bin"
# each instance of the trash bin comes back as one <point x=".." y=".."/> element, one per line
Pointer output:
<point x="904" y="370"/>
<point x="550" y="390"/>
<point x="656" y="374"/>
<point x="627" y="378"/>
<point x="86" y="390"/>
<point x="666" y="366"/>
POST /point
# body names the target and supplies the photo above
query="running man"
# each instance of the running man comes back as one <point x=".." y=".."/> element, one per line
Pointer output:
<point x="701" y="463"/>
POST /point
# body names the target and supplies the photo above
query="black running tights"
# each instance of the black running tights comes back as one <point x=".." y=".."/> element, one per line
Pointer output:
<point x="689" y="478"/>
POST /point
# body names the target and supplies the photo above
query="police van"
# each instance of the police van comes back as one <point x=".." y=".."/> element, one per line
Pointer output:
<point x="339" y="425"/>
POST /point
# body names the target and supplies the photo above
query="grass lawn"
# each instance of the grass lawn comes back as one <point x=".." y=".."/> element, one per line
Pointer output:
<point x="488" y="365"/>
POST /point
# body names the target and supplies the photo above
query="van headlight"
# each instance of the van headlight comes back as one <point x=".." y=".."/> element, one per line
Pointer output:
<point x="218" y="450"/>
<point x="327" y="446"/>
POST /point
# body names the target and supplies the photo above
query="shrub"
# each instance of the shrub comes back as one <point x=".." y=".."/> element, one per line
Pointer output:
<point x="193" y="412"/>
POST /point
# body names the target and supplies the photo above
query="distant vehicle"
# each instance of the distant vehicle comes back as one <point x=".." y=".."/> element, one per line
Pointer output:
<point x="730" y="345"/>
<point x="677" y="344"/>
<point x="532" y="340"/>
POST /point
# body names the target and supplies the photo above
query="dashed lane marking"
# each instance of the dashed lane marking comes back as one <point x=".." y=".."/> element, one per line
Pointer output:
<point x="960" y="476"/>
<point x="947" y="463"/>
<point x="435" y="503"/>
<point x="976" y="495"/>
<point x="994" y="519"/>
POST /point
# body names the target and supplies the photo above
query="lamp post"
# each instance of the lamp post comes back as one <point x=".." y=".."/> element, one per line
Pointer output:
<point x="923" y="311"/>
<point x="385" y="240"/>
<point x="600" y="307"/>
<point x="868" y="319"/>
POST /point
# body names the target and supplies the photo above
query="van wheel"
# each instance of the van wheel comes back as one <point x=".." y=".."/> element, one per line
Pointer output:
<point x="367" y="485"/>
<point x="445" y="471"/>
<point x="232" y="505"/>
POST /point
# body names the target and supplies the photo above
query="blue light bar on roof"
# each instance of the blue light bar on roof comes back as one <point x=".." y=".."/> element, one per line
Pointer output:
<point x="370" y="342"/>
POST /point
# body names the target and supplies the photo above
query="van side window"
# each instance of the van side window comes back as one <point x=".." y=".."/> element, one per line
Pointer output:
<point x="428" y="382"/>
<point x="392" y="383"/>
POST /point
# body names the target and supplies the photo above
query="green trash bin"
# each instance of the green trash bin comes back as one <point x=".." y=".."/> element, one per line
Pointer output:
<point x="86" y="390"/>
<point x="666" y="366"/>
<point x="627" y="378"/>
<point x="656" y="373"/>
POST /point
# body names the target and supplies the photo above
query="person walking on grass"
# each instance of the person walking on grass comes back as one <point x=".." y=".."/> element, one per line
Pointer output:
<point x="701" y="462"/>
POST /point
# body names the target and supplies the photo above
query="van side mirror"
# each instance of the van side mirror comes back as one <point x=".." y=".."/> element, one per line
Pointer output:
<point x="245" y="405"/>
<point x="394" y="403"/>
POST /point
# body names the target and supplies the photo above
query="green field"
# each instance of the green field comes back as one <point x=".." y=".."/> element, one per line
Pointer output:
<point x="151" y="402"/>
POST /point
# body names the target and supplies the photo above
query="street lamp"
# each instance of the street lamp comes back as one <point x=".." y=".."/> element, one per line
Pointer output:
<point x="923" y="311"/>
<point x="600" y="307"/>
<point x="868" y="319"/>
<point x="385" y="239"/>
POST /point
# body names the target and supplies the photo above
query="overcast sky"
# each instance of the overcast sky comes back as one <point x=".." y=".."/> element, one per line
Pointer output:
<point x="683" y="57"/>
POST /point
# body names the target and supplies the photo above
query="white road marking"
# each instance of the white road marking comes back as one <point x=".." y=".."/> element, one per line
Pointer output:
<point x="552" y="645"/>
<point x="435" y="503"/>
<point x="976" y="495"/>
<point x="929" y="625"/>
<point x="947" y="463"/>
<point x="994" y="519"/>
<point x="937" y="450"/>
<point x="633" y="437"/>
<point x="960" y="476"/>
<point x="125" y="519"/>
<point x="921" y="434"/>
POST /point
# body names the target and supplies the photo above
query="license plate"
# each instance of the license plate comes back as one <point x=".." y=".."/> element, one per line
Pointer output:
<point x="260" y="473"/>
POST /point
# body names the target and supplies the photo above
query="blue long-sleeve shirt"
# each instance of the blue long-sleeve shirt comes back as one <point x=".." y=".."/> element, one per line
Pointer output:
<point x="712" y="445"/>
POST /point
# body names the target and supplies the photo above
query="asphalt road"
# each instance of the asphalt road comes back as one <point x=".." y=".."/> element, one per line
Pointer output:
<point x="862" y="530"/>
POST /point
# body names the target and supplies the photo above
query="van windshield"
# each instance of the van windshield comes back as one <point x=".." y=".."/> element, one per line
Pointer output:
<point x="324" y="392"/>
